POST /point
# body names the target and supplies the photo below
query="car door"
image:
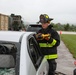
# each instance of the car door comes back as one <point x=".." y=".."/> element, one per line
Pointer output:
<point x="39" y="62"/>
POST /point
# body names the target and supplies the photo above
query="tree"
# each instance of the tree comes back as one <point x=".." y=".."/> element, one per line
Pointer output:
<point x="66" y="27"/>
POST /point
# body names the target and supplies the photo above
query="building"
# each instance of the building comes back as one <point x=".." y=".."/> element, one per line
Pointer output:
<point x="4" y="22"/>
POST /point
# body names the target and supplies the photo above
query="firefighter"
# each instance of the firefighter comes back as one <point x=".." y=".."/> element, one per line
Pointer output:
<point x="48" y="40"/>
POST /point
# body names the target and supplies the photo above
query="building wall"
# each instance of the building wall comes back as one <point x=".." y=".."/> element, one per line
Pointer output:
<point x="4" y="22"/>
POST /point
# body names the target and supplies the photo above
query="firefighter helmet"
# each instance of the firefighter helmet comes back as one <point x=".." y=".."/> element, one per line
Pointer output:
<point x="44" y="18"/>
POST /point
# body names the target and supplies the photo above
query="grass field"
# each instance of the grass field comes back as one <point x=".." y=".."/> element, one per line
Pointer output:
<point x="70" y="42"/>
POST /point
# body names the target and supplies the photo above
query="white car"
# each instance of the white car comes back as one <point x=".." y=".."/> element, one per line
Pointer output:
<point x="20" y="54"/>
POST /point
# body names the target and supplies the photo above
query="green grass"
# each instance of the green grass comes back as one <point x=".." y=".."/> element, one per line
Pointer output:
<point x="70" y="42"/>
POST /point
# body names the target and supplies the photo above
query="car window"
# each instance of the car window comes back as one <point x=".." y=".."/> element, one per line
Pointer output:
<point x="8" y="56"/>
<point x="34" y="52"/>
<point x="33" y="28"/>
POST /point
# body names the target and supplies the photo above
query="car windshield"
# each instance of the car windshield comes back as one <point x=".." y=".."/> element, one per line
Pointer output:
<point x="33" y="28"/>
<point x="8" y="55"/>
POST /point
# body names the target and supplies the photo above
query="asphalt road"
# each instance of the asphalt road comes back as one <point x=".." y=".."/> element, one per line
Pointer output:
<point x="65" y="61"/>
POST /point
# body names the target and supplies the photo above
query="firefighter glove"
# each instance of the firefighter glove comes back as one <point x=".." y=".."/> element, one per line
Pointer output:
<point x="39" y="36"/>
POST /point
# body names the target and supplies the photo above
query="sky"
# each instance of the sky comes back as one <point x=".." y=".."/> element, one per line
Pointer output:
<point x="62" y="11"/>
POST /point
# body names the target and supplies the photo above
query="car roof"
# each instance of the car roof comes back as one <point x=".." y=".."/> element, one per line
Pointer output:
<point x="13" y="36"/>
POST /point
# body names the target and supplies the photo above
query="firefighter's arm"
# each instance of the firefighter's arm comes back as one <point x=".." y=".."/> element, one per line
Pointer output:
<point x="54" y="40"/>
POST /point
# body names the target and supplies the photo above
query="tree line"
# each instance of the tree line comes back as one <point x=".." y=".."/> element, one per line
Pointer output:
<point x="64" y="27"/>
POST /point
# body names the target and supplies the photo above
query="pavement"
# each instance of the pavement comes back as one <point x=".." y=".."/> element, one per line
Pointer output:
<point x="65" y="61"/>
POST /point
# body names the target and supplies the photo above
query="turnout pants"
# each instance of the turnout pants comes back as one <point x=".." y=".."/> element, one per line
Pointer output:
<point x="52" y="66"/>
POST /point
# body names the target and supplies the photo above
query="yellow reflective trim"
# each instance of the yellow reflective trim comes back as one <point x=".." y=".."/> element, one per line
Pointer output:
<point x="54" y="42"/>
<point x="44" y="45"/>
<point x="48" y="44"/>
<point x="54" y="56"/>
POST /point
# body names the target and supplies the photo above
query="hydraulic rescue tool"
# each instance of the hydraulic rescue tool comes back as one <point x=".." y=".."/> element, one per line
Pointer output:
<point x="43" y="36"/>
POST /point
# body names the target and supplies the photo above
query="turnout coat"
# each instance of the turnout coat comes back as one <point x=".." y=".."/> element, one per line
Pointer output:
<point x="49" y="48"/>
